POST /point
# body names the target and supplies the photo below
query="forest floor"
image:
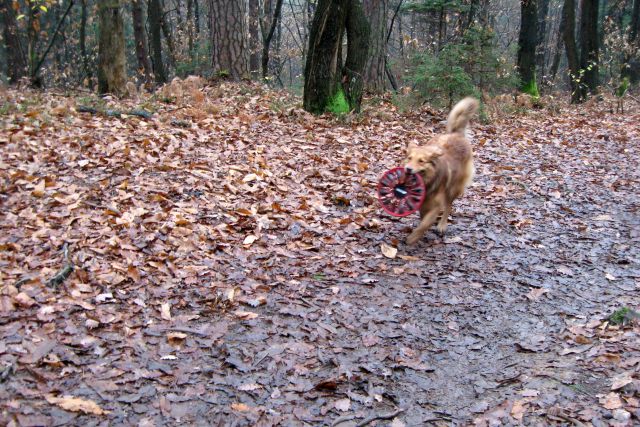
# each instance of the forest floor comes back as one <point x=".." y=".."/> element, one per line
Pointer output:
<point x="227" y="267"/>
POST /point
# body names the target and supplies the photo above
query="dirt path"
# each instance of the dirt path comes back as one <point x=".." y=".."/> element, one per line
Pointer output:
<point x="230" y="273"/>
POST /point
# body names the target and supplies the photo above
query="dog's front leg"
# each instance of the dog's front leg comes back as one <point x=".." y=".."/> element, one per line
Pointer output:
<point x="427" y="221"/>
<point x="442" y="224"/>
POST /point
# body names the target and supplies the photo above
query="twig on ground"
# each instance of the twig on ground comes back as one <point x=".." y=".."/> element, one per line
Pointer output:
<point x="343" y="419"/>
<point x="185" y="330"/>
<point x="65" y="271"/>
<point x="380" y="417"/>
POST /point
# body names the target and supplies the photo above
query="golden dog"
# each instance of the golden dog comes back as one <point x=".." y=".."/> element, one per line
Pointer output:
<point x="446" y="165"/>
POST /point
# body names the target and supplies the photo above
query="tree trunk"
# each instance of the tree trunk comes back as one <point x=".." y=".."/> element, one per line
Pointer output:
<point x="112" y="75"/>
<point x="196" y="12"/>
<point x="229" y="38"/>
<point x="254" y="38"/>
<point x="323" y="73"/>
<point x="16" y="63"/>
<point x="543" y="11"/>
<point x="553" y="71"/>
<point x="267" y="39"/>
<point x="527" y="46"/>
<point x="139" y="33"/>
<point x="568" y="24"/>
<point x="154" y="13"/>
<point x="589" y="45"/>
<point x="631" y="66"/>
<point x="358" y="31"/>
<point x="83" y="41"/>
<point x="33" y="36"/>
<point x="166" y="30"/>
<point x="190" y="27"/>
<point x="376" y="11"/>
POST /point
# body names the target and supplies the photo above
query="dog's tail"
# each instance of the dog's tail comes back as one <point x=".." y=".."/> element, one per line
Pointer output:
<point x="461" y="114"/>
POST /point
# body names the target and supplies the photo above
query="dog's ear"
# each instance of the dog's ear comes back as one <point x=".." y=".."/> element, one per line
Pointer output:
<point x="437" y="152"/>
<point x="412" y="146"/>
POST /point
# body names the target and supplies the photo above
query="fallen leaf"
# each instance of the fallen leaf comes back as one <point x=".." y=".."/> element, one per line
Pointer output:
<point x="249" y="239"/>
<point x="75" y="404"/>
<point x="250" y="387"/>
<point x="535" y="294"/>
<point x="24" y="300"/>
<point x="165" y="311"/>
<point x="39" y="189"/>
<point x="343" y="404"/>
<point x="240" y="407"/>
<point x="245" y="315"/>
<point x="621" y="380"/>
<point x="611" y="401"/>
<point x="518" y="409"/>
<point x="388" y="251"/>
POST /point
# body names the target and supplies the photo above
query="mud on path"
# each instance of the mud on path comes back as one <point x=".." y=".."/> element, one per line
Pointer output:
<point x="251" y="288"/>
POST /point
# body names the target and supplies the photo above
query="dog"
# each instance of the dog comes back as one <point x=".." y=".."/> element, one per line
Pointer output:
<point x="446" y="166"/>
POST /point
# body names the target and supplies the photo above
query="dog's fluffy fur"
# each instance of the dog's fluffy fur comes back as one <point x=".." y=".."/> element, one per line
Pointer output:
<point x="446" y="165"/>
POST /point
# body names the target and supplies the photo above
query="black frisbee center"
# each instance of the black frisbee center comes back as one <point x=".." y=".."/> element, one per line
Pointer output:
<point x="400" y="191"/>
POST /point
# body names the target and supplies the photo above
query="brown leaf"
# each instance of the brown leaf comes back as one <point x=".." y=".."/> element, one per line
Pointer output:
<point x="76" y="404"/>
<point x="245" y="315"/>
<point x="611" y="401"/>
<point x="535" y="294"/>
<point x="621" y="380"/>
<point x="165" y="311"/>
<point x="39" y="189"/>
<point x="388" y="251"/>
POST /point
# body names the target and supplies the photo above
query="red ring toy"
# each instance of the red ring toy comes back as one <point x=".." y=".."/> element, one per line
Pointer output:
<point x="401" y="193"/>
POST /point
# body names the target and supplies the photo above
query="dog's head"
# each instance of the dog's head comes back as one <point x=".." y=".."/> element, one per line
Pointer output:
<point x="423" y="159"/>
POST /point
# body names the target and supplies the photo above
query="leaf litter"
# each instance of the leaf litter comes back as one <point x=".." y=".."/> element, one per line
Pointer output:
<point x="229" y="261"/>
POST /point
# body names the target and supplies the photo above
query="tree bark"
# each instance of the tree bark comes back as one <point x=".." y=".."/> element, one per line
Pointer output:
<point x="190" y="27"/>
<point x="527" y="44"/>
<point x="631" y="66"/>
<point x="166" y="30"/>
<point x="83" y="41"/>
<point x="16" y="63"/>
<point x="254" y="38"/>
<point x="589" y="45"/>
<point x="155" y="29"/>
<point x="229" y="38"/>
<point x="196" y="12"/>
<point x="324" y="76"/>
<point x="376" y="11"/>
<point x="139" y="33"/>
<point x="543" y="11"/>
<point x="358" y="31"/>
<point x="568" y="24"/>
<point x="266" y="43"/>
<point x="111" y="53"/>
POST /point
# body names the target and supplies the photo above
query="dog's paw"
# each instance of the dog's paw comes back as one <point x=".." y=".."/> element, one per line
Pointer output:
<point x="413" y="238"/>
<point x="441" y="230"/>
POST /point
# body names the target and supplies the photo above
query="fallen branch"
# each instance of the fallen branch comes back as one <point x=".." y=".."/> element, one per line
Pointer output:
<point x="380" y="417"/>
<point x="65" y="271"/>
<point x="114" y="113"/>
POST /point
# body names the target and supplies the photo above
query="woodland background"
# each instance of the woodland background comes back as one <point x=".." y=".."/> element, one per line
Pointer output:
<point x="437" y="50"/>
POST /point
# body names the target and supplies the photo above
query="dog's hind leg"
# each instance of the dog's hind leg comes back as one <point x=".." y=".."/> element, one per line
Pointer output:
<point x="427" y="220"/>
